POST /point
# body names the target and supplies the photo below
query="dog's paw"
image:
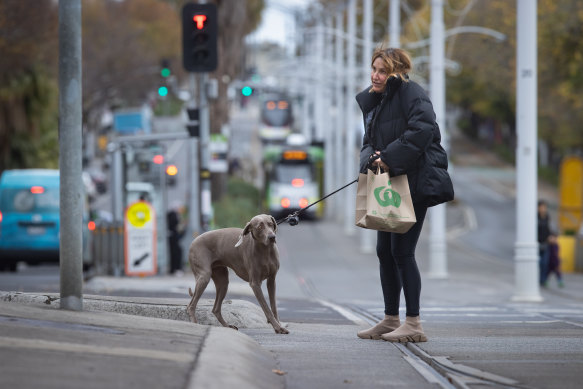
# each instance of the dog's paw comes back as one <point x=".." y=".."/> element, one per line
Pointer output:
<point x="281" y="330"/>
<point x="233" y="327"/>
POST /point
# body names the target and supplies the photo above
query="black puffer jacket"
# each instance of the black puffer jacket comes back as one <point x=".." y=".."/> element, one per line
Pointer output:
<point x="400" y="123"/>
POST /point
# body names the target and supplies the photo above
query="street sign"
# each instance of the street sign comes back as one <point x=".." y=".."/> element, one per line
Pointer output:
<point x="140" y="239"/>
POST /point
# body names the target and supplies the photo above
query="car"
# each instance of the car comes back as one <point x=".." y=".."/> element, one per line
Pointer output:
<point x="30" y="218"/>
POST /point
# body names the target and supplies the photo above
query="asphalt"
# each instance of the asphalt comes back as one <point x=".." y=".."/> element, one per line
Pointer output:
<point x="478" y="336"/>
<point x="148" y="342"/>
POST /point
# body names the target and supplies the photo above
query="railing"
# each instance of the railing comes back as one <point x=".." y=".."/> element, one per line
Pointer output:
<point x="108" y="248"/>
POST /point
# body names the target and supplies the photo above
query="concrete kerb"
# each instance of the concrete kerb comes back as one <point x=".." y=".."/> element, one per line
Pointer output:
<point x="230" y="359"/>
<point x="227" y="358"/>
<point x="240" y="313"/>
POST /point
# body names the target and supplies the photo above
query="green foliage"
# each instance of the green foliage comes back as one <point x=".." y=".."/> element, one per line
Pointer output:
<point x="549" y="175"/>
<point x="29" y="121"/>
<point x="170" y="106"/>
<point x="505" y="152"/>
<point x="238" y="205"/>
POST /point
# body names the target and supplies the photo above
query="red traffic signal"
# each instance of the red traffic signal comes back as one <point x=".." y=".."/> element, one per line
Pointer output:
<point x="199" y="37"/>
<point x="199" y="20"/>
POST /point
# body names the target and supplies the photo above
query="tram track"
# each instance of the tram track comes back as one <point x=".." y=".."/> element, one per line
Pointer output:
<point x="437" y="369"/>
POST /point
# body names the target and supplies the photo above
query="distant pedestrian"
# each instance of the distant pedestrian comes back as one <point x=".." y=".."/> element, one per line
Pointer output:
<point x="544" y="230"/>
<point x="175" y="234"/>
<point x="400" y="133"/>
<point x="554" y="260"/>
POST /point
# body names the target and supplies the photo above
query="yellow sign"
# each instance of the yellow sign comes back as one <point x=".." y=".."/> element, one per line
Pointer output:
<point x="571" y="195"/>
<point x="139" y="214"/>
<point x="140" y="239"/>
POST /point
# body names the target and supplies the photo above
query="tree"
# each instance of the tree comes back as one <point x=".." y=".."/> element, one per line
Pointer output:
<point x="231" y="49"/>
<point x="28" y="89"/>
<point x="123" y="44"/>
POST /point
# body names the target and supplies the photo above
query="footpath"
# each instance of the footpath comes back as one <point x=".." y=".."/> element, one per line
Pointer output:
<point x="478" y="336"/>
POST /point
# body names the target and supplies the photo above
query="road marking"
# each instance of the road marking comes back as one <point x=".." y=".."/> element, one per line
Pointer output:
<point x="530" y="321"/>
<point x="470" y="224"/>
<point x="39" y="344"/>
<point x="176" y="145"/>
<point x="344" y="312"/>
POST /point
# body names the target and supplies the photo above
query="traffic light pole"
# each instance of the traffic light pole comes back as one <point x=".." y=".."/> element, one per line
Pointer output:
<point x="205" y="175"/>
<point x="70" y="124"/>
<point x="194" y="190"/>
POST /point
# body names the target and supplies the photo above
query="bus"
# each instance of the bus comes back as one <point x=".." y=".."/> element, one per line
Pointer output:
<point x="276" y="118"/>
<point x="30" y="218"/>
<point x="293" y="180"/>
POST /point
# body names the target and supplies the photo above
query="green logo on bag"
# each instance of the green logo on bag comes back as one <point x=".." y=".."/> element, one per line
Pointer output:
<point x="390" y="197"/>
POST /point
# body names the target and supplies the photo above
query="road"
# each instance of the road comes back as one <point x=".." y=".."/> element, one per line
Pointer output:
<point x="326" y="284"/>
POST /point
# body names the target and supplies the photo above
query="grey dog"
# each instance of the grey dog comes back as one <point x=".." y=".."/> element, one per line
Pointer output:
<point x="251" y="252"/>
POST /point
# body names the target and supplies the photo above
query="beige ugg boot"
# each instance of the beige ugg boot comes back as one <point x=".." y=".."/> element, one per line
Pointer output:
<point x="410" y="331"/>
<point x="388" y="324"/>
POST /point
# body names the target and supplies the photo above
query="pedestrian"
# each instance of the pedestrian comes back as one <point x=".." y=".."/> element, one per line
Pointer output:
<point x="544" y="230"/>
<point x="175" y="234"/>
<point x="400" y="132"/>
<point x="554" y="260"/>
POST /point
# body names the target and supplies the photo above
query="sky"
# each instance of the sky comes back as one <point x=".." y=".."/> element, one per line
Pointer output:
<point x="276" y="23"/>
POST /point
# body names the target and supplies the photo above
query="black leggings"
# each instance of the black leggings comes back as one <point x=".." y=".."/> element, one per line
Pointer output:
<point x="398" y="267"/>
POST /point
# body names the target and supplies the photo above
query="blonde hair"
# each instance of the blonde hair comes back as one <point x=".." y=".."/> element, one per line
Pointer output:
<point x="396" y="61"/>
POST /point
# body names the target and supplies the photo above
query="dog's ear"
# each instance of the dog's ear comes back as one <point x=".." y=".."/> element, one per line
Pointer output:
<point x="274" y="224"/>
<point x="245" y="232"/>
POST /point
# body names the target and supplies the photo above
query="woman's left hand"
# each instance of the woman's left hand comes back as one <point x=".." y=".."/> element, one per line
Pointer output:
<point x="378" y="162"/>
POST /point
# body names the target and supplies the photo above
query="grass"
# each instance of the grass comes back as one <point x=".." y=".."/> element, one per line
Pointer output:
<point x="235" y="208"/>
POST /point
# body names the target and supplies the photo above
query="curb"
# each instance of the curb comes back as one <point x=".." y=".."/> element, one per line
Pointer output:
<point x="240" y="313"/>
<point x="230" y="359"/>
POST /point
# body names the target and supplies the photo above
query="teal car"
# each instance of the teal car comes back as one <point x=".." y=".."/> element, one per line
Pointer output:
<point x="29" y="217"/>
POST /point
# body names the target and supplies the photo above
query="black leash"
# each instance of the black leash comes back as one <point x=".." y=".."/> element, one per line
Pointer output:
<point x="293" y="218"/>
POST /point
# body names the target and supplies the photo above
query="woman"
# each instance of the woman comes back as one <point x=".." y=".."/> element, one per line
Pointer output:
<point x="400" y="134"/>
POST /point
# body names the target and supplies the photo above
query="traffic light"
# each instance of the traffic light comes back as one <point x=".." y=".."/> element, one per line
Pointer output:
<point x="165" y="68"/>
<point x="163" y="91"/>
<point x="199" y="37"/>
<point x="246" y="91"/>
<point x="193" y="124"/>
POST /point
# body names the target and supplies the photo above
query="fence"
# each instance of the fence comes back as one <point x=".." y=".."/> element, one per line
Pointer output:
<point x="108" y="248"/>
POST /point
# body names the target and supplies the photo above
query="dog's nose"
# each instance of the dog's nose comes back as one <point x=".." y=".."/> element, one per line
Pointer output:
<point x="271" y="237"/>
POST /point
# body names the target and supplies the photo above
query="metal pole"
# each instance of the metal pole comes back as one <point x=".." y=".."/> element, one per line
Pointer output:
<point x="350" y="172"/>
<point x="162" y="247"/>
<point x="206" y="200"/>
<point x="326" y="106"/>
<point x="117" y="181"/>
<point x="193" y="189"/>
<point x="437" y="243"/>
<point x="340" y="125"/>
<point x="526" y="271"/>
<point x="70" y="137"/>
<point x="367" y="237"/>
<point x="319" y="52"/>
<point x="394" y="24"/>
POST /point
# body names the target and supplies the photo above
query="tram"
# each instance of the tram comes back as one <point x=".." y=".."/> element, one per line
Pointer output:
<point x="276" y="118"/>
<point x="293" y="180"/>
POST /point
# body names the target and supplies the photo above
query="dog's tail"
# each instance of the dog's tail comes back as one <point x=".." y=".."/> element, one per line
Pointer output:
<point x="190" y="292"/>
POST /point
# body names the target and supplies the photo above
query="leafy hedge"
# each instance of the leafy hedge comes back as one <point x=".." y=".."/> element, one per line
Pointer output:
<point x="241" y="202"/>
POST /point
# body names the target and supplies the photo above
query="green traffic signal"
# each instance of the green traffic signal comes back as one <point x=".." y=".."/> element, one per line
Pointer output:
<point x="163" y="91"/>
<point x="165" y="72"/>
<point x="247" y="91"/>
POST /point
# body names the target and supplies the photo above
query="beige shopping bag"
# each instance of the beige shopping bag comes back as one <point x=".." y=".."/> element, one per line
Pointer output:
<point x="384" y="203"/>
